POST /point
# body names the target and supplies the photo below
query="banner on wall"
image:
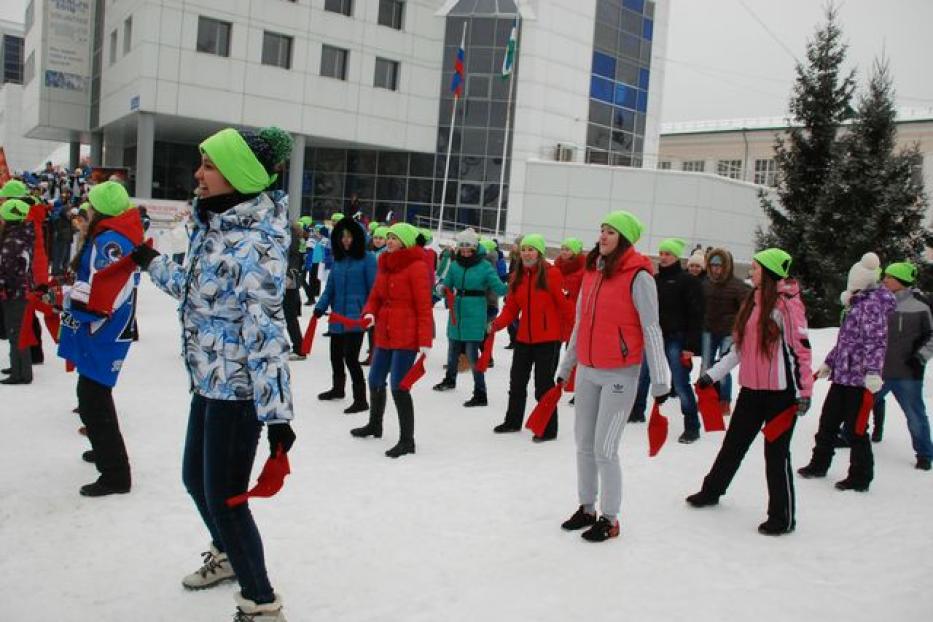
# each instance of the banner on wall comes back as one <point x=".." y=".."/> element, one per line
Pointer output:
<point x="68" y="45"/>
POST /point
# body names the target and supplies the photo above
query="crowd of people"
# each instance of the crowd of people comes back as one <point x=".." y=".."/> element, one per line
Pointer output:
<point x="602" y="318"/>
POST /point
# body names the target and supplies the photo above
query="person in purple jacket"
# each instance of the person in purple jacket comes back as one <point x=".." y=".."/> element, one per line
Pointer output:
<point x="853" y="365"/>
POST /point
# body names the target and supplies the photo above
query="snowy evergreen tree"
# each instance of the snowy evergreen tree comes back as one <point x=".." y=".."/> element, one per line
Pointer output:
<point x="874" y="199"/>
<point x="805" y="157"/>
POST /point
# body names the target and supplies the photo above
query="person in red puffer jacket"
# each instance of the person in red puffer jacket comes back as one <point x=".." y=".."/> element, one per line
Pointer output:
<point x="546" y="319"/>
<point x="399" y="306"/>
<point x="571" y="263"/>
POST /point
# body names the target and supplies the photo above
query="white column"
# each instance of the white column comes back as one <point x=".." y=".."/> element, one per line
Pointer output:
<point x="296" y="174"/>
<point x="145" y="146"/>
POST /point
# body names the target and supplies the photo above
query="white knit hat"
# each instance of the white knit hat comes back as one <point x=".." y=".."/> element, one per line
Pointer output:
<point x="467" y="237"/>
<point x="862" y="274"/>
<point x="697" y="259"/>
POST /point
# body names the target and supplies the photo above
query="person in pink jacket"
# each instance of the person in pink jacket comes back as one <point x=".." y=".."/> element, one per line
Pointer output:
<point x="771" y="343"/>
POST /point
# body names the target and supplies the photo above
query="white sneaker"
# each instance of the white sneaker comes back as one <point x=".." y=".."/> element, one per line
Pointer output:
<point x="216" y="569"/>
<point x="248" y="611"/>
<point x="296" y="357"/>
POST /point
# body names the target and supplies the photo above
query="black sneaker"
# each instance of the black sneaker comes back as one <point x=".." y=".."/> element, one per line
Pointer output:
<point x="775" y="528"/>
<point x="543" y="439"/>
<point x="923" y="464"/>
<point x="702" y="499"/>
<point x="851" y="484"/>
<point x="811" y="472"/>
<point x="98" y="489"/>
<point x="332" y="394"/>
<point x="636" y="418"/>
<point x="401" y="448"/>
<point x="445" y="385"/>
<point x="580" y="519"/>
<point x="89" y="456"/>
<point x="601" y="531"/>
<point x="689" y="436"/>
<point x="478" y="399"/>
<point x="506" y="427"/>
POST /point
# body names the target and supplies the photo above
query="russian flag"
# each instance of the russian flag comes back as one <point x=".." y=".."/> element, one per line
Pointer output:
<point x="456" y="84"/>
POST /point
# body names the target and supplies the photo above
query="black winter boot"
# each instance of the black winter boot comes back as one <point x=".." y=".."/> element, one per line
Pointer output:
<point x="478" y="399"/>
<point x="812" y="470"/>
<point x="406" y="424"/>
<point x="336" y="393"/>
<point x="377" y="406"/>
<point x="359" y="400"/>
<point x="445" y="385"/>
<point x="877" y="428"/>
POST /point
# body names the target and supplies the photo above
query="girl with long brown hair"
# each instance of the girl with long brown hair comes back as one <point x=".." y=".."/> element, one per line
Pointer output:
<point x="770" y="336"/>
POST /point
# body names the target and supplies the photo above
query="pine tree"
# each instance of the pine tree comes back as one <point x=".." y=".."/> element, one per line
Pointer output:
<point x="805" y="157"/>
<point x="874" y="194"/>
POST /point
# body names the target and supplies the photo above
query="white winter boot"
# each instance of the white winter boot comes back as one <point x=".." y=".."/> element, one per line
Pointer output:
<point x="248" y="611"/>
<point x="216" y="569"/>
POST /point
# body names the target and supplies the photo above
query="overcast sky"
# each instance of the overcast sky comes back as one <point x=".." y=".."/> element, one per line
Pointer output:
<point x="735" y="58"/>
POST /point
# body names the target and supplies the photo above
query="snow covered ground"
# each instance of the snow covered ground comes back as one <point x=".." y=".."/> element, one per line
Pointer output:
<point x="467" y="529"/>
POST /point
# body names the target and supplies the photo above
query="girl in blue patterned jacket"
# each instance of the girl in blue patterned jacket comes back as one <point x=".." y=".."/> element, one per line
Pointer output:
<point x="235" y="349"/>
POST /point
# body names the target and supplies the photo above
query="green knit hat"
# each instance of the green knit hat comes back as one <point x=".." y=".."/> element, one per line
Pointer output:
<point x="626" y="223"/>
<point x="83" y="207"/>
<point x="406" y="233"/>
<point x="305" y="221"/>
<point x="109" y="198"/>
<point x="573" y="244"/>
<point x="774" y="260"/>
<point x="14" y="210"/>
<point x="337" y="217"/>
<point x="245" y="158"/>
<point x="903" y="271"/>
<point x="373" y="226"/>
<point x="380" y="232"/>
<point x="426" y="234"/>
<point x="14" y="189"/>
<point x="488" y="245"/>
<point x="674" y="246"/>
<point x="536" y="242"/>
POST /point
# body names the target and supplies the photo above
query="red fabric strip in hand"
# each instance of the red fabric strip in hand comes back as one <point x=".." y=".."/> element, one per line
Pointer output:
<point x="40" y="261"/>
<point x="541" y="415"/>
<point x="657" y="430"/>
<point x="271" y="479"/>
<point x="27" y="337"/>
<point x="708" y="404"/>
<point x="572" y="381"/>
<point x="308" y="339"/>
<point x="776" y="428"/>
<point x="347" y="322"/>
<point x="414" y="375"/>
<point x="451" y="301"/>
<point x="483" y="363"/>
<point x="861" y="421"/>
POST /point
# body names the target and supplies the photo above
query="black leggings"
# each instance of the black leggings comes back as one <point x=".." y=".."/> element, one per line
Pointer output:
<point x="95" y="406"/>
<point x="345" y="351"/>
<point x="292" y="307"/>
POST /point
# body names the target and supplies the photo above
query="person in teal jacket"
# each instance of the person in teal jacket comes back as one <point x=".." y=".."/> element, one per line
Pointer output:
<point x="469" y="278"/>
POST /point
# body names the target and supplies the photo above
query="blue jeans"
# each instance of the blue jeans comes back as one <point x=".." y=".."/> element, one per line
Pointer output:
<point x="909" y="395"/>
<point x="471" y="349"/>
<point x="219" y="451"/>
<point x="396" y="362"/>
<point x="673" y="346"/>
<point x="714" y="347"/>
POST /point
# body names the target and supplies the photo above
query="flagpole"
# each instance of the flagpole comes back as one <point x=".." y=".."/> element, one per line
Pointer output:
<point x="508" y="120"/>
<point x="450" y="143"/>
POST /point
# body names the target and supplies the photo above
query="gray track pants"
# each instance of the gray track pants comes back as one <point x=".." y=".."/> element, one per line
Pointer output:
<point x="604" y="398"/>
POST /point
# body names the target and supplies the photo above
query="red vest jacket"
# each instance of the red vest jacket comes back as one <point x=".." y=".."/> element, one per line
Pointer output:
<point x="610" y="333"/>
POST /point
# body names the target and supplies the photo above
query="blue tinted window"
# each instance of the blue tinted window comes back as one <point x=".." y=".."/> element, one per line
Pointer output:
<point x="647" y="29"/>
<point x="635" y="5"/>
<point x="625" y="96"/>
<point x="643" y="78"/>
<point x="642" y="101"/>
<point x="601" y="89"/>
<point x="604" y="65"/>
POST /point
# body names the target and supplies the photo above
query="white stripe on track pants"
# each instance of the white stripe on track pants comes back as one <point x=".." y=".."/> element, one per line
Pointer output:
<point x="603" y="400"/>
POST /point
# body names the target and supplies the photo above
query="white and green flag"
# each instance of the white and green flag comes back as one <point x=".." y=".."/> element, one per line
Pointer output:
<point x="509" y="61"/>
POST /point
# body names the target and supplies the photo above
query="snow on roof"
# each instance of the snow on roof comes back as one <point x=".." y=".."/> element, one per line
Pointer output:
<point x="904" y="115"/>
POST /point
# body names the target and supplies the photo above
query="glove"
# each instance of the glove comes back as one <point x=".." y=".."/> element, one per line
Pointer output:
<point x="803" y="405"/>
<point x="318" y="312"/>
<point x="873" y="382"/>
<point x="371" y="319"/>
<point x="424" y="351"/>
<point x="143" y="255"/>
<point x="823" y="371"/>
<point x="705" y="381"/>
<point x="280" y="434"/>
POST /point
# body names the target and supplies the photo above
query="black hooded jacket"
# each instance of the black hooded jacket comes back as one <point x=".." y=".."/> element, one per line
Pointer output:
<point x="680" y="305"/>
<point x="357" y="249"/>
